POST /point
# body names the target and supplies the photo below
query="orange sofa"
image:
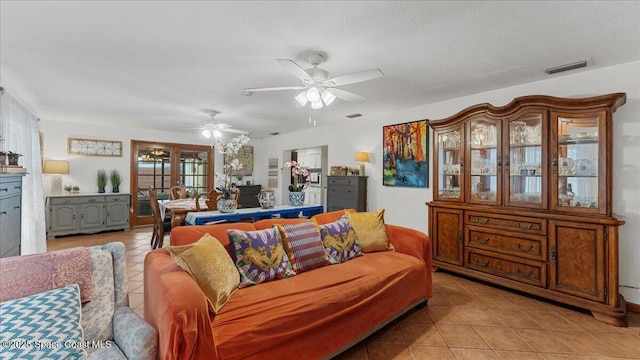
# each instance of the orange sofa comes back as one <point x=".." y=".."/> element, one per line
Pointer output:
<point x="315" y="314"/>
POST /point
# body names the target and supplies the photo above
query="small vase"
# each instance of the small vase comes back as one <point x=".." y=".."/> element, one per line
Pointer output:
<point x="227" y="205"/>
<point x="101" y="190"/>
<point x="115" y="189"/>
<point x="296" y="198"/>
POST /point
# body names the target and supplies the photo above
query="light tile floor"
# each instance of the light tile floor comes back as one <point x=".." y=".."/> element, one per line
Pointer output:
<point x="464" y="319"/>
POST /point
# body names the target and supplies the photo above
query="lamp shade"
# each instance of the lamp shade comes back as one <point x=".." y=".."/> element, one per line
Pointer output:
<point x="56" y="167"/>
<point x="362" y="156"/>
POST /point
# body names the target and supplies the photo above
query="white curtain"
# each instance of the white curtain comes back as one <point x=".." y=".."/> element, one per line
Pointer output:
<point x="20" y="133"/>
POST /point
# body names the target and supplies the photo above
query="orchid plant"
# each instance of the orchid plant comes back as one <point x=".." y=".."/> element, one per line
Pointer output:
<point x="225" y="185"/>
<point x="300" y="175"/>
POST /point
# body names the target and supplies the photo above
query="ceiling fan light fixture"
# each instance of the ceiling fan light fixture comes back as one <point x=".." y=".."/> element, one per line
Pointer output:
<point x="302" y="98"/>
<point x="216" y="133"/>
<point x="313" y="94"/>
<point x="206" y="133"/>
<point x="327" y="97"/>
<point x="316" y="105"/>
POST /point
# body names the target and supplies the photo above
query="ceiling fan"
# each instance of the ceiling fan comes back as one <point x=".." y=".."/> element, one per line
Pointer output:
<point x="214" y="129"/>
<point x="317" y="88"/>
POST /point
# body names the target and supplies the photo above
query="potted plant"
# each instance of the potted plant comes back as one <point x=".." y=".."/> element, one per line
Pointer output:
<point x="102" y="181"/>
<point x="75" y="189"/>
<point x="227" y="202"/>
<point x="116" y="180"/>
<point x="301" y="180"/>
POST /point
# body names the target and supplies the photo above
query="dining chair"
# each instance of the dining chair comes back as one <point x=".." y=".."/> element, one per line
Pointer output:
<point x="178" y="192"/>
<point x="159" y="226"/>
<point x="211" y="200"/>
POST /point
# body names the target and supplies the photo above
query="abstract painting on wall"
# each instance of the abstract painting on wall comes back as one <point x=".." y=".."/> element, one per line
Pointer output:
<point x="404" y="154"/>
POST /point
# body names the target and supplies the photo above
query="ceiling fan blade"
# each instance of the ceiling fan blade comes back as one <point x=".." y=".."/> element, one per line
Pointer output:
<point x="353" y="78"/>
<point x="296" y="70"/>
<point x="348" y="96"/>
<point x="235" y="131"/>
<point x="299" y="87"/>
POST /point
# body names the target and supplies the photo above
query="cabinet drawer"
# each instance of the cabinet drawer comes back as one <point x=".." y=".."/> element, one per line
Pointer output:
<point x="343" y="181"/>
<point x="532" y="247"/>
<point x="117" y="198"/>
<point x="523" y="270"/>
<point x="76" y="200"/>
<point x="348" y="193"/>
<point x="506" y="222"/>
<point x="10" y="188"/>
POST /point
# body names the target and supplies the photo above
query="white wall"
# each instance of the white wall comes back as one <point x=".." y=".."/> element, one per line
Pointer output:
<point x="406" y="206"/>
<point x="83" y="169"/>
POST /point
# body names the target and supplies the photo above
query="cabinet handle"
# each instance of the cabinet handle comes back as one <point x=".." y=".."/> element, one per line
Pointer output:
<point x="92" y="200"/>
<point x="528" y="274"/>
<point x="64" y="201"/>
<point x="16" y="207"/>
<point x="554" y="255"/>
<point x="529" y="227"/>
<point x="82" y="216"/>
<point x="74" y="216"/>
<point x="4" y="189"/>
<point x="483" y="265"/>
<point x="17" y="187"/>
<point x="118" y="199"/>
<point x="499" y="162"/>
<point x="485" y="241"/>
<point x="3" y="213"/>
<point x="506" y="163"/>
<point x="460" y="237"/>
<point x="524" y="250"/>
<point x="481" y="222"/>
<point x="554" y="163"/>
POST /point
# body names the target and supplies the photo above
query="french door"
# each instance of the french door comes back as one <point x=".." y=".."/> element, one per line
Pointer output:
<point x="163" y="165"/>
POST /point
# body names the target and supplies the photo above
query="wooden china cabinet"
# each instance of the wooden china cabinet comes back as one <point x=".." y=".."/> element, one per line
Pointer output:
<point x="522" y="198"/>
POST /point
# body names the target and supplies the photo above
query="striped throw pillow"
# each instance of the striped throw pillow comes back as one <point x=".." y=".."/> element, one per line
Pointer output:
<point x="303" y="246"/>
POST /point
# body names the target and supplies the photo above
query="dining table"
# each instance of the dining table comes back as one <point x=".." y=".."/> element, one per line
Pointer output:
<point x="255" y="214"/>
<point x="178" y="209"/>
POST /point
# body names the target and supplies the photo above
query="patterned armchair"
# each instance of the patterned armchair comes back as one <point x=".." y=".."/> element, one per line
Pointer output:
<point x="110" y="330"/>
<point x="108" y="315"/>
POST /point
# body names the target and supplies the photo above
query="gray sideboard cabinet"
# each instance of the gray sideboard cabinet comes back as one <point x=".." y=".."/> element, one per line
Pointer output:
<point x="344" y="192"/>
<point x="87" y="213"/>
<point x="10" y="214"/>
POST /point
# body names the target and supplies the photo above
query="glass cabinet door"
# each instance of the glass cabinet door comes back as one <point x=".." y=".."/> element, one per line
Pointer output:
<point x="576" y="164"/>
<point x="450" y="165"/>
<point x="484" y="167"/>
<point x="526" y="161"/>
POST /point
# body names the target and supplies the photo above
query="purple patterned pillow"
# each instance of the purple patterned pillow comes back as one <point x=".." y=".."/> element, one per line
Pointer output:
<point x="259" y="256"/>
<point x="303" y="246"/>
<point x="340" y="241"/>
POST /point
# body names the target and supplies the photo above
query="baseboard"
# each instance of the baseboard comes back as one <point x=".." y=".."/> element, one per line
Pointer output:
<point x="634" y="308"/>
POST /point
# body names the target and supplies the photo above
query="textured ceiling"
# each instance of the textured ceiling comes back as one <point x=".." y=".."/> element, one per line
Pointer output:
<point x="160" y="64"/>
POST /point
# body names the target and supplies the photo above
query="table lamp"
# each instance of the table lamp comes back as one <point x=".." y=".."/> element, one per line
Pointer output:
<point x="362" y="157"/>
<point x="56" y="167"/>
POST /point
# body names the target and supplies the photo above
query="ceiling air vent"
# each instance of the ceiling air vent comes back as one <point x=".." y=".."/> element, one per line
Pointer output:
<point x="351" y="116"/>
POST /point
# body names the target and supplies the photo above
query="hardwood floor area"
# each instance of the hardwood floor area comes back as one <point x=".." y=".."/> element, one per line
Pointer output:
<point x="464" y="319"/>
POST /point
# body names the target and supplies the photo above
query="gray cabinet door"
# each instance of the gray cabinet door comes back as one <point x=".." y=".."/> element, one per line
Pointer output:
<point x="91" y="215"/>
<point x="63" y="217"/>
<point x="10" y="226"/>
<point x="117" y="213"/>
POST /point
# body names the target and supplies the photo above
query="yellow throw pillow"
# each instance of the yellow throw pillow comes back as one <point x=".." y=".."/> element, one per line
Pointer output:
<point x="370" y="230"/>
<point x="211" y="267"/>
